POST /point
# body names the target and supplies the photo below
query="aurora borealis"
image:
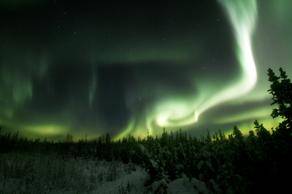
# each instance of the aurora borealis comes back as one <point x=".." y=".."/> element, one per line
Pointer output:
<point x="89" y="68"/>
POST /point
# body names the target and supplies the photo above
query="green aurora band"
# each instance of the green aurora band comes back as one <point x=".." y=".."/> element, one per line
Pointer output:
<point x="208" y="101"/>
<point x="182" y="113"/>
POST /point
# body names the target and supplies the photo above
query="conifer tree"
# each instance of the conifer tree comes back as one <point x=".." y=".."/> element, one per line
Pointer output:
<point x="281" y="90"/>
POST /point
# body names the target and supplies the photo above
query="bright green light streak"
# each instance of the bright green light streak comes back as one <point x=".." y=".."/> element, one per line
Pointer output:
<point x="179" y="113"/>
<point x="175" y="114"/>
<point x="126" y="131"/>
<point x="242" y="15"/>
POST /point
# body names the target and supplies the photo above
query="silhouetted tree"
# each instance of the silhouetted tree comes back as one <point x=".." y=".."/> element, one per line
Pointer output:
<point x="281" y="90"/>
<point x="261" y="131"/>
<point x="69" y="138"/>
<point x="237" y="133"/>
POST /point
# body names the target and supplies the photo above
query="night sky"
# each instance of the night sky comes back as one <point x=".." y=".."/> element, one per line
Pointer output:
<point x="123" y="67"/>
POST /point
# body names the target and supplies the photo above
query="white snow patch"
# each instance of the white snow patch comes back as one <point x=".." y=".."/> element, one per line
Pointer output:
<point x="187" y="186"/>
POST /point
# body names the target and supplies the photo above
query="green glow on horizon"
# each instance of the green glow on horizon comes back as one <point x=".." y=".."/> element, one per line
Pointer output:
<point x="258" y="113"/>
<point x="47" y="130"/>
<point x="269" y="124"/>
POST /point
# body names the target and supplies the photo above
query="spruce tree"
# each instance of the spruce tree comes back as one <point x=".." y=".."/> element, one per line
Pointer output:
<point x="281" y="90"/>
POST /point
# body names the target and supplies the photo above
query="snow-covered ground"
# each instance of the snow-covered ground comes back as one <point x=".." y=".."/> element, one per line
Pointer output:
<point x="26" y="173"/>
<point x="23" y="173"/>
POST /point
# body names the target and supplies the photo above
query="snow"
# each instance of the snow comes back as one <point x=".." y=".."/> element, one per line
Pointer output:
<point x="130" y="183"/>
<point x="186" y="186"/>
<point x="25" y="173"/>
